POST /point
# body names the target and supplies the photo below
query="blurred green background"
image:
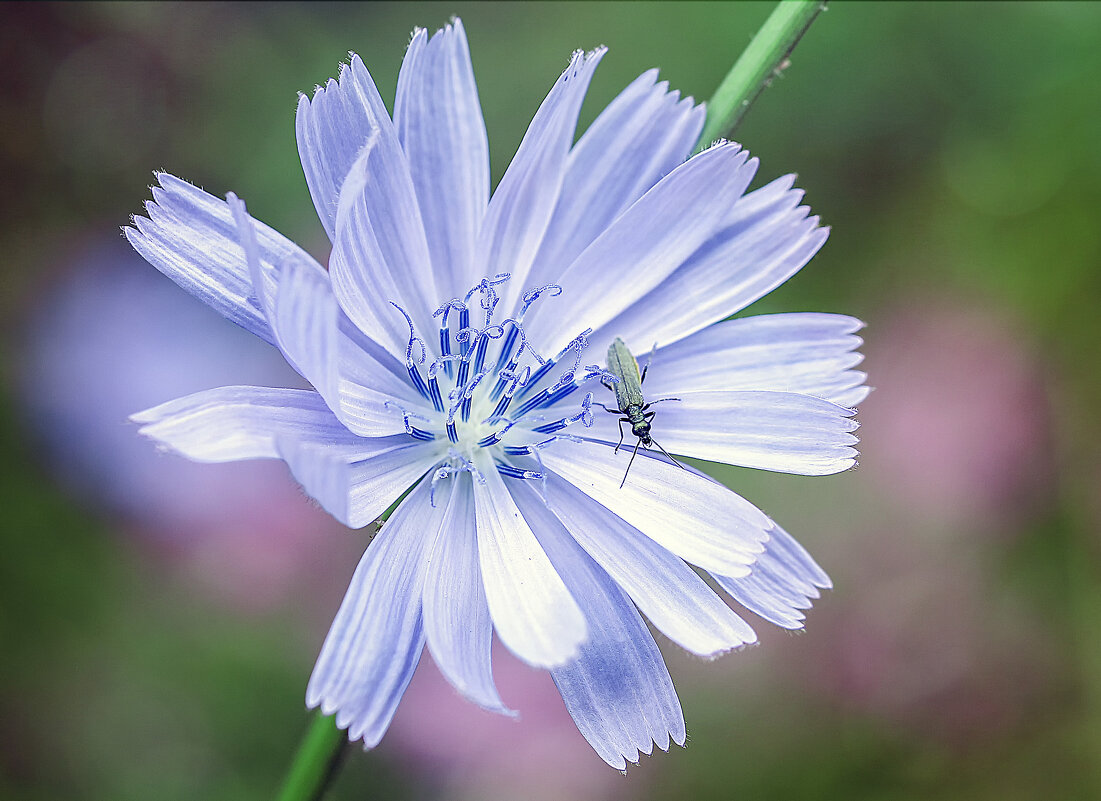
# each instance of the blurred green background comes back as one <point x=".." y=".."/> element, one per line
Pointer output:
<point x="156" y="631"/>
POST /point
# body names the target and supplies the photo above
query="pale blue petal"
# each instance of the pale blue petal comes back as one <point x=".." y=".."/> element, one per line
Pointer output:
<point x="376" y="638"/>
<point x="332" y="130"/>
<point x="266" y="290"/>
<point x="675" y="599"/>
<point x="781" y="431"/>
<point x="353" y="478"/>
<point x="362" y="281"/>
<point x="533" y="612"/>
<point x="699" y="520"/>
<point x="457" y="624"/>
<point x="192" y="237"/>
<point x="353" y="160"/>
<point x="784" y="582"/>
<point x="307" y="324"/>
<point x="764" y="239"/>
<point x="439" y="123"/>
<point x="379" y="189"/>
<point x="310" y="330"/>
<point x="521" y="207"/>
<point x="646" y="244"/>
<point x="232" y="423"/>
<point x="618" y="690"/>
<point x="803" y="352"/>
<point x="355" y="481"/>
<point x="642" y="136"/>
<point x="853" y="396"/>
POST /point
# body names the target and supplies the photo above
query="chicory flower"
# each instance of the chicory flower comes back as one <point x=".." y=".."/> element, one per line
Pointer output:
<point x="455" y="347"/>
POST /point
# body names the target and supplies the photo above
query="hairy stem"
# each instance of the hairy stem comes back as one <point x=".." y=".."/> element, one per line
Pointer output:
<point x="764" y="59"/>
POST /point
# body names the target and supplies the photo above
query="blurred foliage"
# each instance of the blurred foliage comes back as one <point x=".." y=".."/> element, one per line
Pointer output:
<point x="952" y="147"/>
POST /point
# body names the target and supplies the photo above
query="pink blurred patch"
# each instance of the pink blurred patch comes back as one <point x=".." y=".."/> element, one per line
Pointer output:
<point x="473" y="754"/>
<point x="957" y="460"/>
<point x="959" y="426"/>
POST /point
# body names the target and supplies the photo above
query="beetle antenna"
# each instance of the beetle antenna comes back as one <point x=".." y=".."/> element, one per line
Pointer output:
<point x="667" y="456"/>
<point x="628" y="470"/>
<point x="649" y="359"/>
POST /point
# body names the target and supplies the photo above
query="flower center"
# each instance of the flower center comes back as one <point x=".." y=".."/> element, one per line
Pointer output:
<point x="491" y="389"/>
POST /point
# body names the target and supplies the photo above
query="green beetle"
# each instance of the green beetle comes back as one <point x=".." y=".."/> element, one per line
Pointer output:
<point x="630" y="402"/>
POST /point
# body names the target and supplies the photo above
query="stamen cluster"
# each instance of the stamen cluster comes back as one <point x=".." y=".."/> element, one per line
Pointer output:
<point x="490" y="388"/>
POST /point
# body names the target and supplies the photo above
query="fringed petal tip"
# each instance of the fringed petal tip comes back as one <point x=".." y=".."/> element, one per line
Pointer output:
<point x="734" y="649"/>
<point x="343" y="722"/>
<point x="783" y="583"/>
<point x="719" y="143"/>
<point x="623" y="762"/>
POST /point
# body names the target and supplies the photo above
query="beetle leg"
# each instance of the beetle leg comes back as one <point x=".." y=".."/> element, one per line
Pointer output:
<point x="670" y="458"/>
<point x="634" y="453"/>
<point x="622" y="420"/>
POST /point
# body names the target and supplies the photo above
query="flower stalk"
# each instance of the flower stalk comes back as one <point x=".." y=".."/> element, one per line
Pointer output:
<point x="316" y="762"/>
<point x="761" y="62"/>
<point x="318" y="758"/>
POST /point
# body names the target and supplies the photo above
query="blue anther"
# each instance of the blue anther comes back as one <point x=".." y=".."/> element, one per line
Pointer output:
<point x="496" y="436"/>
<point x="468" y="392"/>
<point x="417" y="379"/>
<point x="533" y="402"/>
<point x="418" y="433"/>
<point x="550" y="428"/>
<point x="434" y="388"/>
<point x="498" y="387"/>
<point x="452" y="434"/>
<point x="502" y="406"/>
<point x="506" y="346"/>
<point x="445" y="329"/>
<point x="480" y="352"/>
<point x="508" y="377"/>
<point x="516" y="472"/>
<point x="445" y="340"/>
<point x="559" y="392"/>
<point x="530" y="450"/>
<point x="464" y="324"/>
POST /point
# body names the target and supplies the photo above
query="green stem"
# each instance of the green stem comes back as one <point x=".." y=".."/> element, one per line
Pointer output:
<point x="316" y="762"/>
<point x="319" y="756"/>
<point x="764" y="59"/>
